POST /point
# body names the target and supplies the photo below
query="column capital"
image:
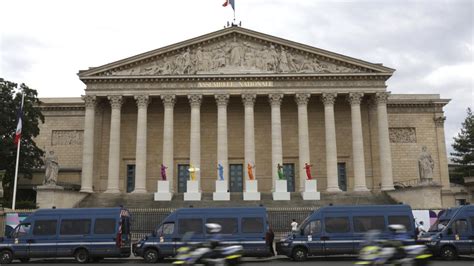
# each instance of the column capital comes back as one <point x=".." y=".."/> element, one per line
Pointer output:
<point x="116" y="101"/>
<point x="89" y="100"/>
<point x="381" y="97"/>
<point x="302" y="98"/>
<point x="248" y="99"/>
<point x="142" y="100"/>
<point x="195" y="100"/>
<point x="275" y="98"/>
<point x="328" y="98"/>
<point x="355" y="98"/>
<point x="222" y="99"/>
<point x="168" y="100"/>
<point x="439" y="121"/>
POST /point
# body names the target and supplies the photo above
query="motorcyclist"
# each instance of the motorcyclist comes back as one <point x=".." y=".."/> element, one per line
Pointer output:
<point x="398" y="234"/>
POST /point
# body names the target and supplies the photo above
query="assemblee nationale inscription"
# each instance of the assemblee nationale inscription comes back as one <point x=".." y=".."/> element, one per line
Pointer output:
<point x="229" y="84"/>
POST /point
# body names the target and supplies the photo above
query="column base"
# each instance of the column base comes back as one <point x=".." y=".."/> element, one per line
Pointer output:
<point x="310" y="190"/>
<point x="220" y="196"/>
<point x="281" y="196"/>
<point x="311" y="195"/>
<point x="333" y="189"/>
<point x="389" y="187"/>
<point x="193" y="193"/>
<point x="192" y="196"/>
<point x="139" y="191"/>
<point x="361" y="189"/>
<point x="112" y="191"/>
<point x="86" y="190"/>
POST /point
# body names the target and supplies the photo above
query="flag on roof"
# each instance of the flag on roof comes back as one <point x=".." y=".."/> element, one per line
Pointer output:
<point x="231" y="2"/>
<point x="19" y="125"/>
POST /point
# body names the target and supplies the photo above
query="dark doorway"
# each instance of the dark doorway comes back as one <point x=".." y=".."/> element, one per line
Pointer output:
<point x="236" y="177"/>
<point x="130" y="177"/>
<point x="289" y="170"/>
<point x="341" y="176"/>
<point x="183" y="175"/>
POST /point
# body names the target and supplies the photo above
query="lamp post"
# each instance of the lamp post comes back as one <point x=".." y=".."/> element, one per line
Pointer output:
<point x="2" y="175"/>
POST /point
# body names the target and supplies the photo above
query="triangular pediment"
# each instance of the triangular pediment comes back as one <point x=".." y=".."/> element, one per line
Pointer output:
<point x="234" y="50"/>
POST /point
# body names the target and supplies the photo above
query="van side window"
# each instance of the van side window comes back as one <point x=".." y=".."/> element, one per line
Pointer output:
<point x="252" y="225"/>
<point x="472" y="222"/>
<point x="313" y="227"/>
<point x="22" y="230"/>
<point x="460" y="226"/>
<point x="45" y="227"/>
<point x="337" y="224"/>
<point x="75" y="227"/>
<point x="229" y="225"/>
<point x="104" y="226"/>
<point x="367" y="223"/>
<point x="190" y="225"/>
<point x="168" y="228"/>
<point x="398" y="219"/>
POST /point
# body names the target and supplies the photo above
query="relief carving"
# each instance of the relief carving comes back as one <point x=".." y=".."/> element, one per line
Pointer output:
<point x="67" y="137"/>
<point x="235" y="55"/>
<point x="402" y="134"/>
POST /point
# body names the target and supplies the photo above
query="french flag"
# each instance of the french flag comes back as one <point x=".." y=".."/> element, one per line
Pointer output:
<point x="231" y="2"/>
<point x="19" y="125"/>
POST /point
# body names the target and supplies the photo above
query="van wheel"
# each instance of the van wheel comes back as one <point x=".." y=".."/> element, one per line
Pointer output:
<point x="24" y="260"/>
<point x="6" y="256"/>
<point x="448" y="253"/>
<point x="151" y="255"/>
<point x="81" y="256"/>
<point x="299" y="254"/>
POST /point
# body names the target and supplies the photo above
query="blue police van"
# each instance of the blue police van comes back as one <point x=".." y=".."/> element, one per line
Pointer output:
<point x="339" y="230"/>
<point x="85" y="234"/>
<point x="452" y="234"/>
<point x="240" y="226"/>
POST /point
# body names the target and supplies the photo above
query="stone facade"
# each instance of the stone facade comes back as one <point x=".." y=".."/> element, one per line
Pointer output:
<point x="349" y="117"/>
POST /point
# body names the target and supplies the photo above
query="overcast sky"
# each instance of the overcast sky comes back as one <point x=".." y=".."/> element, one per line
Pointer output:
<point x="430" y="43"/>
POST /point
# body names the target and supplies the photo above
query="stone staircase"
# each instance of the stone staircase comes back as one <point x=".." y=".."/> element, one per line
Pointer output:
<point x="132" y="201"/>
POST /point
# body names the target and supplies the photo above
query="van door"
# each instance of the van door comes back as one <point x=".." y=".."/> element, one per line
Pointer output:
<point x="189" y="226"/>
<point x="460" y="230"/>
<point x="165" y="235"/>
<point x="20" y="238"/>
<point x="253" y="231"/>
<point x="337" y="235"/>
<point x="42" y="241"/>
<point x="471" y="233"/>
<point x="72" y="231"/>
<point x="312" y="233"/>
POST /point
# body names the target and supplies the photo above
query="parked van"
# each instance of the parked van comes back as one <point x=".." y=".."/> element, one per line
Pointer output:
<point x="85" y="234"/>
<point x="337" y="230"/>
<point x="242" y="226"/>
<point x="452" y="234"/>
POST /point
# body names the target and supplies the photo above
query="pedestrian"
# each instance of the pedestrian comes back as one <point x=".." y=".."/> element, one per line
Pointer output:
<point x="269" y="237"/>
<point x="294" y="226"/>
<point x="420" y="230"/>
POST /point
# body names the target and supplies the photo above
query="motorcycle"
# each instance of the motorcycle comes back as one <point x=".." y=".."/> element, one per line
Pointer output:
<point x="209" y="253"/>
<point x="377" y="252"/>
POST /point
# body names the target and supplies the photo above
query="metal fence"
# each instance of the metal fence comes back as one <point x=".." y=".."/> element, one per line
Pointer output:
<point x="144" y="221"/>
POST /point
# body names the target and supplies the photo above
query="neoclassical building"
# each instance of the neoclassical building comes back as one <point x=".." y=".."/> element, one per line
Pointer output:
<point x="237" y="97"/>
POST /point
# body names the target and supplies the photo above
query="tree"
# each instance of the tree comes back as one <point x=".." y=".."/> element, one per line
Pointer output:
<point x="30" y="154"/>
<point x="464" y="147"/>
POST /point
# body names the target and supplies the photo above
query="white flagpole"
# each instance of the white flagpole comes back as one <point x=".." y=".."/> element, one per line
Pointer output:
<point x="18" y="154"/>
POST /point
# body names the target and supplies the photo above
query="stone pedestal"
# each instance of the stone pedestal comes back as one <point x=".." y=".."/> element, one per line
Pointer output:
<point x="310" y="190"/>
<point x="192" y="191"/>
<point x="281" y="190"/>
<point x="48" y="196"/>
<point x="163" y="191"/>
<point x="251" y="190"/>
<point x="221" y="191"/>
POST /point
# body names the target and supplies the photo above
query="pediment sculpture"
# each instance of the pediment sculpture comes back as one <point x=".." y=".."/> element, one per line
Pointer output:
<point x="234" y="56"/>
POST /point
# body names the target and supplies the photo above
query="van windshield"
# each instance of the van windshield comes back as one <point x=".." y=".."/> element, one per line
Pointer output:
<point x="439" y="225"/>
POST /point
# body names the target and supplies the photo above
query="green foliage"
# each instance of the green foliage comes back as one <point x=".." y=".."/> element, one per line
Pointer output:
<point x="30" y="154"/>
<point x="464" y="147"/>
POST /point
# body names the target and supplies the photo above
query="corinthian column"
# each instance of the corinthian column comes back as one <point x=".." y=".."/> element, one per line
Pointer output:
<point x="357" y="142"/>
<point x="277" y="152"/>
<point x="303" y="135"/>
<point x="222" y="154"/>
<point x="168" y="141"/>
<point x="88" y="146"/>
<point x="195" y="141"/>
<point x="249" y="153"/>
<point x="384" y="141"/>
<point x="114" y="145"/>
<point x="140" y="157"/>
<point x="331" y="147"/>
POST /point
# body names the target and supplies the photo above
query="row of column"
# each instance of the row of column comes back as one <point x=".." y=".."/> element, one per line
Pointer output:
<point x="248" y="100"/>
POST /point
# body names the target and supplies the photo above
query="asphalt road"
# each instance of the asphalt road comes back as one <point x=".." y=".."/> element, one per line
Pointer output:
<point x="332" y="261"/>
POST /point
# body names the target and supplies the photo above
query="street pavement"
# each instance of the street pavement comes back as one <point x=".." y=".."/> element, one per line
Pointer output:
<point x="281" y="260"/>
